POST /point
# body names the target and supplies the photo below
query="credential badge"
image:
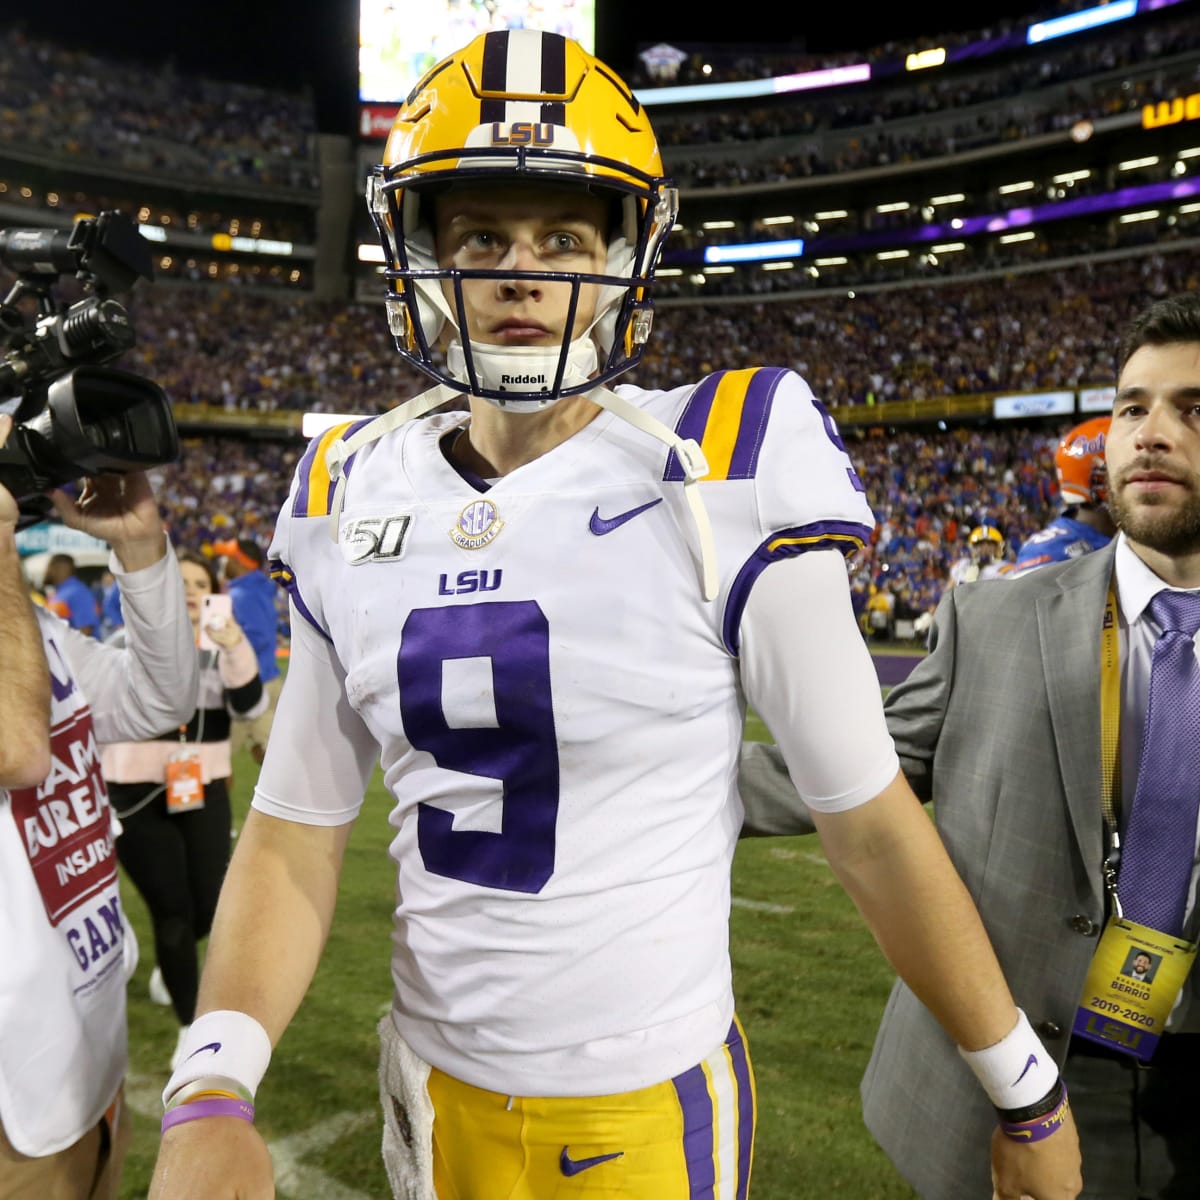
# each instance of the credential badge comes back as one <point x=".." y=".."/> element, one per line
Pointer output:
<point x="369" y="539"/>
<point x="478" y="524"/>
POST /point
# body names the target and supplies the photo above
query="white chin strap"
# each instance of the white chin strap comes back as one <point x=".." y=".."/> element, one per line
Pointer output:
<point x="687" y="451"/>
<point x="522" y="370"/>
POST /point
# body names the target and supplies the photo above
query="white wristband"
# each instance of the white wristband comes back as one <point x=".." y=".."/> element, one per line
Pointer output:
<point x="226" y="1043"/>
<point x="1017" y="1071"/>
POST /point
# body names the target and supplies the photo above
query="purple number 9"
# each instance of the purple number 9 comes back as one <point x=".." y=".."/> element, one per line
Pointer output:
<point x="521" y="750"/>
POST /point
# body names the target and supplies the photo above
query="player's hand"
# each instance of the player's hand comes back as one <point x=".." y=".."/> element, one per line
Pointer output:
<point x="1045" y="1170"/>
<point x="213" y="1158"/>
<point x="8" y="504"/>
<point x="120" y="510"/>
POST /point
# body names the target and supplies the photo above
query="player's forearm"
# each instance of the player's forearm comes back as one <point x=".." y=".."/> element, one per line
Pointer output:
<point x="273" y="918"/>
<point x="24" y="677"/>
<point x="890" y="860"/>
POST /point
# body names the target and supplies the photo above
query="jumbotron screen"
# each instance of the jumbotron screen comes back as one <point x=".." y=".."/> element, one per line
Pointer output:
<point x="399" y="40"/>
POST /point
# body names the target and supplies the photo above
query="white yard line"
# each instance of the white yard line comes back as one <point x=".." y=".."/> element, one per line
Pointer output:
<point x="761" y="906"/>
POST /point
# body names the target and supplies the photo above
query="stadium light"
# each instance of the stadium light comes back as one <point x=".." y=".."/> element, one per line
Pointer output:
<point x="952" y="198"/>
<point x="1132" y="164"/>
<point x="1006" y="189"/>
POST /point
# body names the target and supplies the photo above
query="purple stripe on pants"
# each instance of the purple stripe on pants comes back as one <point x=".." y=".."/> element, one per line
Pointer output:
<point x="696" y="1105"/>
<point x="745" y="1103"/>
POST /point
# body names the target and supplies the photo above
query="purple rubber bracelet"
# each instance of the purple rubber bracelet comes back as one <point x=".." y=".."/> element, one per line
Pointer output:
<point x="195" y="1109"/>
<point x="1040" y="1127"/>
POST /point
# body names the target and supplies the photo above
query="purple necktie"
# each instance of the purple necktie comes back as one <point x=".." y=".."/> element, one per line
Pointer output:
<point x="1160" y="840"/>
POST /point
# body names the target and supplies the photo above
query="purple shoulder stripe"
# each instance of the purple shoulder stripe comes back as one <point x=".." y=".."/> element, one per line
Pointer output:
<point x="727" y="415"/>
<point x="286" y="578"/>
<point x="314" y="496"/>
<point x="845" y="536"/>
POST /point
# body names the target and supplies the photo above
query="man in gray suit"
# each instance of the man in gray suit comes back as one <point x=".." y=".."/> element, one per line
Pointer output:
<point x="1000" y="726"/>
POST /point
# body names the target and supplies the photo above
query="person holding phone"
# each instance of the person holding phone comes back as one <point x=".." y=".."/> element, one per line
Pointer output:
<point x="171" y="794"/>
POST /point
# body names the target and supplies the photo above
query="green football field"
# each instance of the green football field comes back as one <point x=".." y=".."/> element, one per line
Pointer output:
<point x="809" y="979"/>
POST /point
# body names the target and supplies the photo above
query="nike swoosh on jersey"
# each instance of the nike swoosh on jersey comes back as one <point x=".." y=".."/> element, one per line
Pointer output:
<point x="213" y="1046"/>
<point x="601" y="525"/>
<point x="572" y="1166"/>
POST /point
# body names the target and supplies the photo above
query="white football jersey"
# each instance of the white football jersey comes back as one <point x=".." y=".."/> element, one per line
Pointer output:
<point x="558" y="714"/>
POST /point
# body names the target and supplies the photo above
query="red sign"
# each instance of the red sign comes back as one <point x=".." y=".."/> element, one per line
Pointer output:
<point x="65" y="824"/>
<point x="375" y="121"/>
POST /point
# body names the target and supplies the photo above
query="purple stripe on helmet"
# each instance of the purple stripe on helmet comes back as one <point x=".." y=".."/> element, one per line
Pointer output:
<point x="494" y="76"/>
<point x="693" y="422"/>
<point x="696" y="1105"/>
<point x="745" y="1105"/>
<point x="752" y="428"/>
<point x="554" y="65"/>
<point x="845" y="536"/>
<point x="286" y="578"/>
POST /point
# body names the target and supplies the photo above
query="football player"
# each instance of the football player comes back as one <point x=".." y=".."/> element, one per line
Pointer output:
<point x="984" y="559"/>
<point x="543" y="617"/>
<point x="1085" y="523"/>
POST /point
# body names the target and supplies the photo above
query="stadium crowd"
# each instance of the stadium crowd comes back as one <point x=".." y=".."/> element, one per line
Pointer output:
<point x="62" y="101"/>
<point x="1010" y="105"/>
<point x="245" y="351"/>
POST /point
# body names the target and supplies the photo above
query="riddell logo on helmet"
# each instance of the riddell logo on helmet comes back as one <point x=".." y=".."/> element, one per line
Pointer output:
<point x="522" y="379"/>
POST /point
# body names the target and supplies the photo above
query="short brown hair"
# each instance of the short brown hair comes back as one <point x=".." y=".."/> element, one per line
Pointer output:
<point x="1165" y="323"/>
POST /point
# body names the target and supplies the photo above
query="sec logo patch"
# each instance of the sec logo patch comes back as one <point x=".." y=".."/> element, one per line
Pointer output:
<point x="478" y="524"/>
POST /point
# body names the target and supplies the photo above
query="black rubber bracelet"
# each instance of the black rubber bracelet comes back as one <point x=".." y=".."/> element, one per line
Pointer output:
<point x="1039" y="1108"/>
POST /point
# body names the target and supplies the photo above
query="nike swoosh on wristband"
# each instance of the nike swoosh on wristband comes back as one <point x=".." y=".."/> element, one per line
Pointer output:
<point x="601" y="525"/>
<point x="572" y="1166"/>
<point x="1032" y="1062"/>
<point x="213" y="1046"/>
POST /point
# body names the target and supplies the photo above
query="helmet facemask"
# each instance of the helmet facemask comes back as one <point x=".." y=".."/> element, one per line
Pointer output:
<point x="488" y="116"/>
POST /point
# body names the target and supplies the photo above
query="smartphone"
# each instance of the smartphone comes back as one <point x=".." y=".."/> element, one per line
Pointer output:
<point x="215" y="609"/>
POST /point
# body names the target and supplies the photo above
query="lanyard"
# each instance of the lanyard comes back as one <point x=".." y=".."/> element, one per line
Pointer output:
<point x="1110" y="741"/>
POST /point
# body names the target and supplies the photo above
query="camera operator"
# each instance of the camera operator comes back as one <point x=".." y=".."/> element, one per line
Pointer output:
<point x="65" y="950"/>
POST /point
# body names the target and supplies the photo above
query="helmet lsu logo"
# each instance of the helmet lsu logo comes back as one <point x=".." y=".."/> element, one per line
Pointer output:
<point x="522" y="133"/>
<point x="478" y="525"/>
<point x="370" y="538"/>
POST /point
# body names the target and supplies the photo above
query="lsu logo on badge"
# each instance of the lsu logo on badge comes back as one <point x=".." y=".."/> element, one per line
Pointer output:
<point x="478" y="525"/>
<point x="366" y="539"/>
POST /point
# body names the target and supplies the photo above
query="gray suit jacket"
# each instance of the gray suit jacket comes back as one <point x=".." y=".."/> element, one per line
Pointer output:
<point x="1000" y="727"/>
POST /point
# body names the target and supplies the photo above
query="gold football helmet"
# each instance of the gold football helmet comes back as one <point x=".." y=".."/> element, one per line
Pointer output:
<point x="521" y="105"/>
<point x="986" y="544"/>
